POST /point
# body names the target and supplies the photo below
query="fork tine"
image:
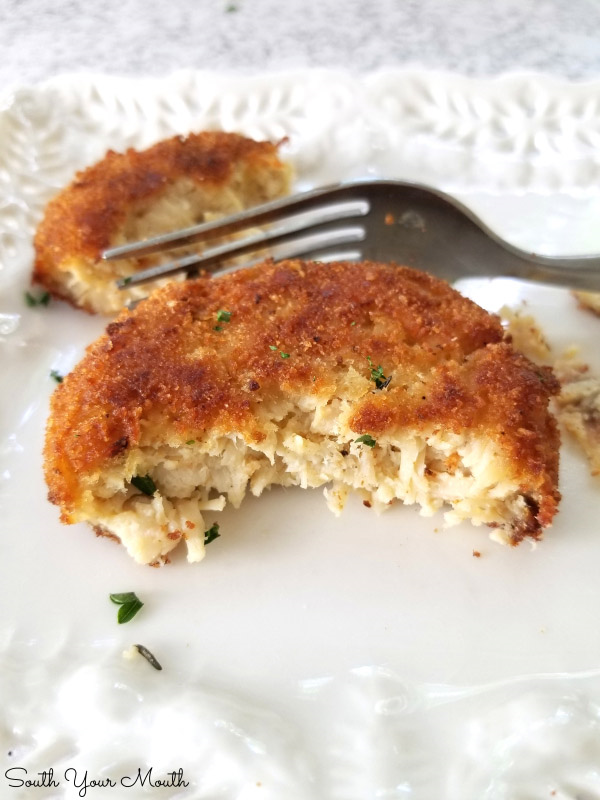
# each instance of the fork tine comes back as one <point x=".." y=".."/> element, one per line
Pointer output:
<point x="324" y="232"/>
<point x="345" y="244"/>
<point x="421" y="225"/>
<point x="326" y="254"/>
<point x="258" y="215"/>
<point x="215" y="256"/>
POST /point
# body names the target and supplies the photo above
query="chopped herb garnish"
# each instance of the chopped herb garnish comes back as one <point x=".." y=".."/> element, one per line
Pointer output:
<point x="191" y="441"/>
<point x="41" y="300"/>
<point x="123" y="597"/>
<point x="212" y="533"/>
<point x="281" y="353"/>
<point x="129" y="604"/>
<point x="128" y="611"/>
<point x="218" y="328"/>
<point x="366" y="439"/>
<point x="377" y="375"/>
<point x="353" y="323"/>
<point x="231" y="9"/>
<point x="144" y="483"/>
<point x="223" y="316"/>
<point x="56" y="375"/>
<point x="127" y="281"/>
<point x="150" y="658"/>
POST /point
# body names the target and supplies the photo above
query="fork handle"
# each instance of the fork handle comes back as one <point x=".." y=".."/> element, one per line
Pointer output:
<point x="570" y="273"/>
<point x="452" y="242"/>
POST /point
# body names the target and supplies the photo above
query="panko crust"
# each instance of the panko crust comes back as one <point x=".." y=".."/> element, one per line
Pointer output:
<point x="171" y="362"/>
<point x="81" y="220"/>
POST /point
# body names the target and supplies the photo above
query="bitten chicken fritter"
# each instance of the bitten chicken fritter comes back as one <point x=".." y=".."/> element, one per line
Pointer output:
<point x="134" y="195"/>
<point x="352" y="376"/>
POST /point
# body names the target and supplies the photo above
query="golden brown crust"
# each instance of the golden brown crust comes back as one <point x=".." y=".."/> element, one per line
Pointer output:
<point x="167" y="362"/>
<point x="82" y="220"/>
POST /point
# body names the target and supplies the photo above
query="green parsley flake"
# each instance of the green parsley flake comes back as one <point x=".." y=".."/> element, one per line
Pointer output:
<point x="41" y="300"/>
<point x="218" y="328"/>
<point x="377" y="375"/>
<point x="129" y="604"/>
<point x="56" y="375"/>
<point x="191" y="441"/>
<point x="212" y="533"/>
<point x="281" y="353"/>
<point x="127" y="281"/>
<point x="366" y="439"/>
<point x="223" y="316"/>
<point x="353" y="323"/>
<point x="144" y="483"/>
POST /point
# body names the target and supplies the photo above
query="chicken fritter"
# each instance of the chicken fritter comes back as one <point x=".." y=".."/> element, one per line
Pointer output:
<point x="351" y="376"/>
<point x="134" y="195"/>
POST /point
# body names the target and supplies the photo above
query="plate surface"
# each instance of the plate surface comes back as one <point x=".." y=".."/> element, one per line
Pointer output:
<point x="307" y="656"/>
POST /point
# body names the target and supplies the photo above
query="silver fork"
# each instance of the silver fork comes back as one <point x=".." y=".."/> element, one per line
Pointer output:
<point x="391" y="221"/>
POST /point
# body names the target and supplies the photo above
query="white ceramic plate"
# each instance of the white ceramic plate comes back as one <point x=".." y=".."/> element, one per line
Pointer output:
<point x="307" y="656"/>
